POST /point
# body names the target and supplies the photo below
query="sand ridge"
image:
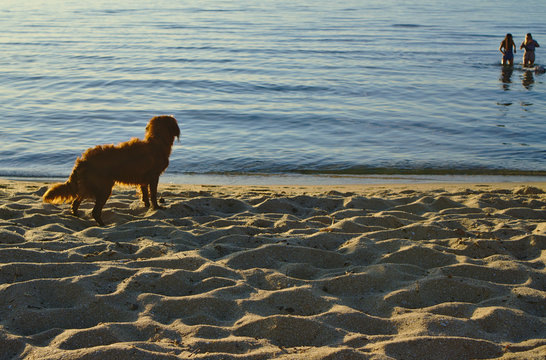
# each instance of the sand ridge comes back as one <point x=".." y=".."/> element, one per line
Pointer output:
<point x="289" y="272"/>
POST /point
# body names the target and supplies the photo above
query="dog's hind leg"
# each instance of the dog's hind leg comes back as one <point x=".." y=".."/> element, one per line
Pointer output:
<point x="145" y="195"/>
<point x="100" y="200"/>
<point x="75" y="205"/>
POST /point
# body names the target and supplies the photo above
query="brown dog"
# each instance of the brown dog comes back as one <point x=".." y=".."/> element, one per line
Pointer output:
<point x="135" y="162"/>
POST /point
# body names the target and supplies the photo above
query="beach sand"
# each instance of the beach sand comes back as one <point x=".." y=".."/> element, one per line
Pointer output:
<point x="435" y="271"/>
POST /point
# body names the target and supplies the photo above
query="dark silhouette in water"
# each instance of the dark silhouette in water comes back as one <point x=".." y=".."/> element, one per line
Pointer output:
<point x="505" y="48"/>
<point x="529" y="55"/>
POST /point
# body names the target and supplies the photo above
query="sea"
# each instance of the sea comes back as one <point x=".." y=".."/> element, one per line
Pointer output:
<point x="341" y="89"/>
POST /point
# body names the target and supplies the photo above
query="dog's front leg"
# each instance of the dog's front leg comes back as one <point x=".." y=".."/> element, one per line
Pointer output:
<point x="153" y="193"/>
<point x="145" y="195"/>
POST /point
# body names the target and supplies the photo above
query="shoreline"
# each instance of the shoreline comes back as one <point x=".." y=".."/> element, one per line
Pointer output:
<point x="366" y="271"/>
<point x="333" y="180"/>
<point x="315" y="179"/>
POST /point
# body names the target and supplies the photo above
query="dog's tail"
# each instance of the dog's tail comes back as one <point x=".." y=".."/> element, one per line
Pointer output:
<point x="67" y="191"/>
<point x="59" y="193"/>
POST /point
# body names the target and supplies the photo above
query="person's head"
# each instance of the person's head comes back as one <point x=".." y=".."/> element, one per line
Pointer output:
<point x="528" y="37"/>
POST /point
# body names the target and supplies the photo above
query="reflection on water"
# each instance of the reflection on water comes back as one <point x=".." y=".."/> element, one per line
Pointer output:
<point x="506" y="75"/>
<point x="527" y="76"/>
<point x="528" y="79"/>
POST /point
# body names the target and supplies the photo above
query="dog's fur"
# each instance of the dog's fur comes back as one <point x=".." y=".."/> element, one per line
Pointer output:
<point x="135" y="162"/>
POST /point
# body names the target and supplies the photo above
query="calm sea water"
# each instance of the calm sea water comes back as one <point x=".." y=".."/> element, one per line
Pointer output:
<point x="273" y="86"/>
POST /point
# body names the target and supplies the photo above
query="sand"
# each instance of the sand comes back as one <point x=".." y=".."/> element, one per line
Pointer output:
<point x="411" y="271"/>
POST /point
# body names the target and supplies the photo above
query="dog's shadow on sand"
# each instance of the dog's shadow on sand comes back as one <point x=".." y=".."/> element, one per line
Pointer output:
<point x="124" y="206"/>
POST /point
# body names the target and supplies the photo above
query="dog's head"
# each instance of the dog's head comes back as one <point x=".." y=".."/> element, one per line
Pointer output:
<point x="164" y="127"/>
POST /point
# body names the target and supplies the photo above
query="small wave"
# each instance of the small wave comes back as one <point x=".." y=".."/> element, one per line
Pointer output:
<point x="376" y="171"/>
<point x="424" y="171"/>
<point x="407" y="25"/>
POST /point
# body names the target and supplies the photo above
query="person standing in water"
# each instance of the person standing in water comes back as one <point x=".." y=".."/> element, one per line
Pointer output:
<point x="529" y="55"/>
<point x="506" y="49"/>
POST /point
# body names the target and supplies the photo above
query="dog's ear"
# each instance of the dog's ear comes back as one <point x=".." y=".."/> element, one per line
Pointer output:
<point x="175" y="130"/>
